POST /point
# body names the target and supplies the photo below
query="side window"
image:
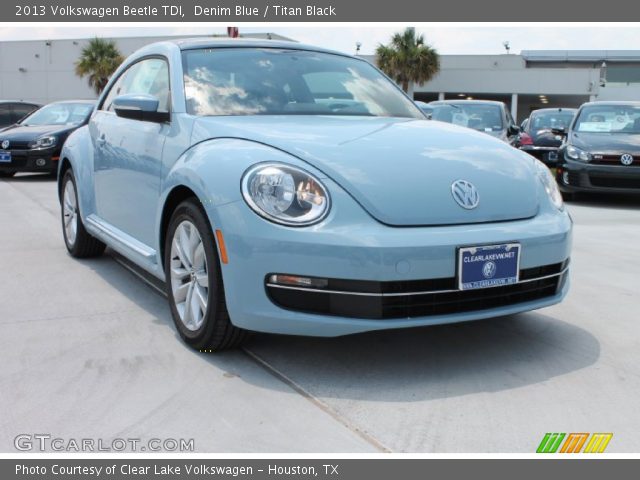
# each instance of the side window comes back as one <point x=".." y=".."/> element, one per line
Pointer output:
<point x="118" y="88"/>
<point x="149" y="77"/>
<point x="152" y="78"/>
<point x="21" y="110"/>
<point x="5" y="115"/>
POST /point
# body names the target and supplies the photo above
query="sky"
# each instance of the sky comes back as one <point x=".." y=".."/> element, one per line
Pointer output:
<point x="447" y="39"/>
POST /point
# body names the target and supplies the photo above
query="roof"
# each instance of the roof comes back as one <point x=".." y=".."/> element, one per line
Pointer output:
<point x="557" y="109"/>
<point x="581" y="55"/>
<point x="19" y="101"/>
<point x="445" y="102"/>
<point x="611" y="102"/>
<point x="211" y="42"/>
<point x="88" y="102"/>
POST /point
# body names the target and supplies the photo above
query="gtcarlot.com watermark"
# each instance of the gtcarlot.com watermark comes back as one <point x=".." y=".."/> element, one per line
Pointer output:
<point x="44" y="442"/>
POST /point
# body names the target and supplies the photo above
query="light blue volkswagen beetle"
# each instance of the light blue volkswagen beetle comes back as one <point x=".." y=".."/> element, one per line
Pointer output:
<point x="283" y="188"/>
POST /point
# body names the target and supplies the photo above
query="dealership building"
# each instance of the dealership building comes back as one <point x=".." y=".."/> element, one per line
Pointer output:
<point x="537" y="78"/>
<point x="43" y="71"/>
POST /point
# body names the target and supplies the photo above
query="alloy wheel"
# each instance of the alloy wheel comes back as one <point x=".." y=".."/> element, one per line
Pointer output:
<point x="188" y="275"/>
<point x="70" y="212"/>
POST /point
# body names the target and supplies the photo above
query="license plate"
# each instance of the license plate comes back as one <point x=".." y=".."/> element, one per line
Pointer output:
<point x="488" y="266"/>
<point x="5" y="157"/>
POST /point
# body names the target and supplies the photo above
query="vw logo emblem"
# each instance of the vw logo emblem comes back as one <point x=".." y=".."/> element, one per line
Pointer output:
<point x="626" y="159"/>
<point x="489" y="270"/>
<point x="5" y="144"/>
<point x="465" y="194"/>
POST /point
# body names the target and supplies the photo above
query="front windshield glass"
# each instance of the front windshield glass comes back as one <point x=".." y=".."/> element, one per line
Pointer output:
<point x="609" y="119"/>
<point x="269" y="81"/>
<point x="548" y="120"/>
<point x="59" y="114"/>
<point x="479" y="116"/>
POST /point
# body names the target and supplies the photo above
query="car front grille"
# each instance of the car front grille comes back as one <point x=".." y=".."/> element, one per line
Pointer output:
<point x="614" y="182"/>
<point x="16" y="145"/>
<point x="416" y="298"/>
<point x="613" y="160"/>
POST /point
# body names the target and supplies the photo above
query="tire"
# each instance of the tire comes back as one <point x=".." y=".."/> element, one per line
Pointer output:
<point x="7" y="174"/>
<point x="78" y="241"/>
<point x="194" y="282"/>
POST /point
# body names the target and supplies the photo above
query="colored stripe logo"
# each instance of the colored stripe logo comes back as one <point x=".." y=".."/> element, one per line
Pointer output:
<point x="598" y="442"/>
<point x="573" y="443"/>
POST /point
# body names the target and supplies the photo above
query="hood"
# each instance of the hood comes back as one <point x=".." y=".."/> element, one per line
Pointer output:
<point x="400" y="170"/>
<point x="611" y="143"/>
<point x="24" y="134"/>
<point x="545" y="137"/>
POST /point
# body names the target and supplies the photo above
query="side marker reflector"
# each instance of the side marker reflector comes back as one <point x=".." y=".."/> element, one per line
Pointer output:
<point x="222" y="247"/>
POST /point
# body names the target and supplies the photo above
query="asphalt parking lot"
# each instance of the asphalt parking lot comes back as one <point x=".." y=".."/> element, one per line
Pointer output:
<point x="89" y="350"/>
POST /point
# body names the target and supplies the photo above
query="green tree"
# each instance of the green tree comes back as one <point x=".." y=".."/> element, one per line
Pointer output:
<point x="408" y="59"/>
<point x="98" y="60"/>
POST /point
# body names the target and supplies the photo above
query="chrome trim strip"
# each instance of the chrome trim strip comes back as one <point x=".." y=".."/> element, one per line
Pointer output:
<point x="601" y="163"/>
<point x="538" y="149"/>
<point x="121" y="237"/>
<point x="407" y="294"/>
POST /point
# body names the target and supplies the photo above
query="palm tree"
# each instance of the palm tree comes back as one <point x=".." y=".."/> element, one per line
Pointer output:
<point x="408" y="59"/>
<point x="99" y="59"/>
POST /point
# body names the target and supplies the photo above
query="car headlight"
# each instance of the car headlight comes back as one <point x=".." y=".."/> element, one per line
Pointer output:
<point x="576" y="153"/>
<point x="44" y="142"/>
<point x="285" y="194"/>
<point x="550" y="184"/>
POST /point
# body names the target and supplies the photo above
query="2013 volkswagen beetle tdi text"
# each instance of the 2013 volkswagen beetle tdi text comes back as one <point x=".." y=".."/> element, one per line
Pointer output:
<point x="284" y="188"/>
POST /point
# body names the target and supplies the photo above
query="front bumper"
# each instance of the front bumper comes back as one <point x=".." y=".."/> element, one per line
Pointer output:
<point x="350" y="245"/>
<point x="394" y="300"/>
<point x="582" y="177"/>
<point x="45" y="160"/>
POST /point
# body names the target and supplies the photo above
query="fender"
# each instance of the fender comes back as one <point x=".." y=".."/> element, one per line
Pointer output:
<point x="78" y="151"/>
<point x="213" y="170"/>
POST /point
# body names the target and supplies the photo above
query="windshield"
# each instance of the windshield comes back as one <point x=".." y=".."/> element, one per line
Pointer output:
<point x="548" y="120"/>
<point x="251" y="81"/>
<point x="59" y="114"/>
<point x="483" y="117"/>
<point x="609" y="119"/>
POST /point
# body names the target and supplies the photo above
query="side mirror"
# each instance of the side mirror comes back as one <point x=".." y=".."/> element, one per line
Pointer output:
<point x="139" y="107"/>
<point x="514" y="130"/>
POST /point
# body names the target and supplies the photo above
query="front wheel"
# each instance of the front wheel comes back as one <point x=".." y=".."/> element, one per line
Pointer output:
<point x="194" y="282"/>
<point x="79" y="242"/>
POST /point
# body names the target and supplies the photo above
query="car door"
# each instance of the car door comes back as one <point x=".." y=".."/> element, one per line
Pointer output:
<point x="128" y="154"/>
